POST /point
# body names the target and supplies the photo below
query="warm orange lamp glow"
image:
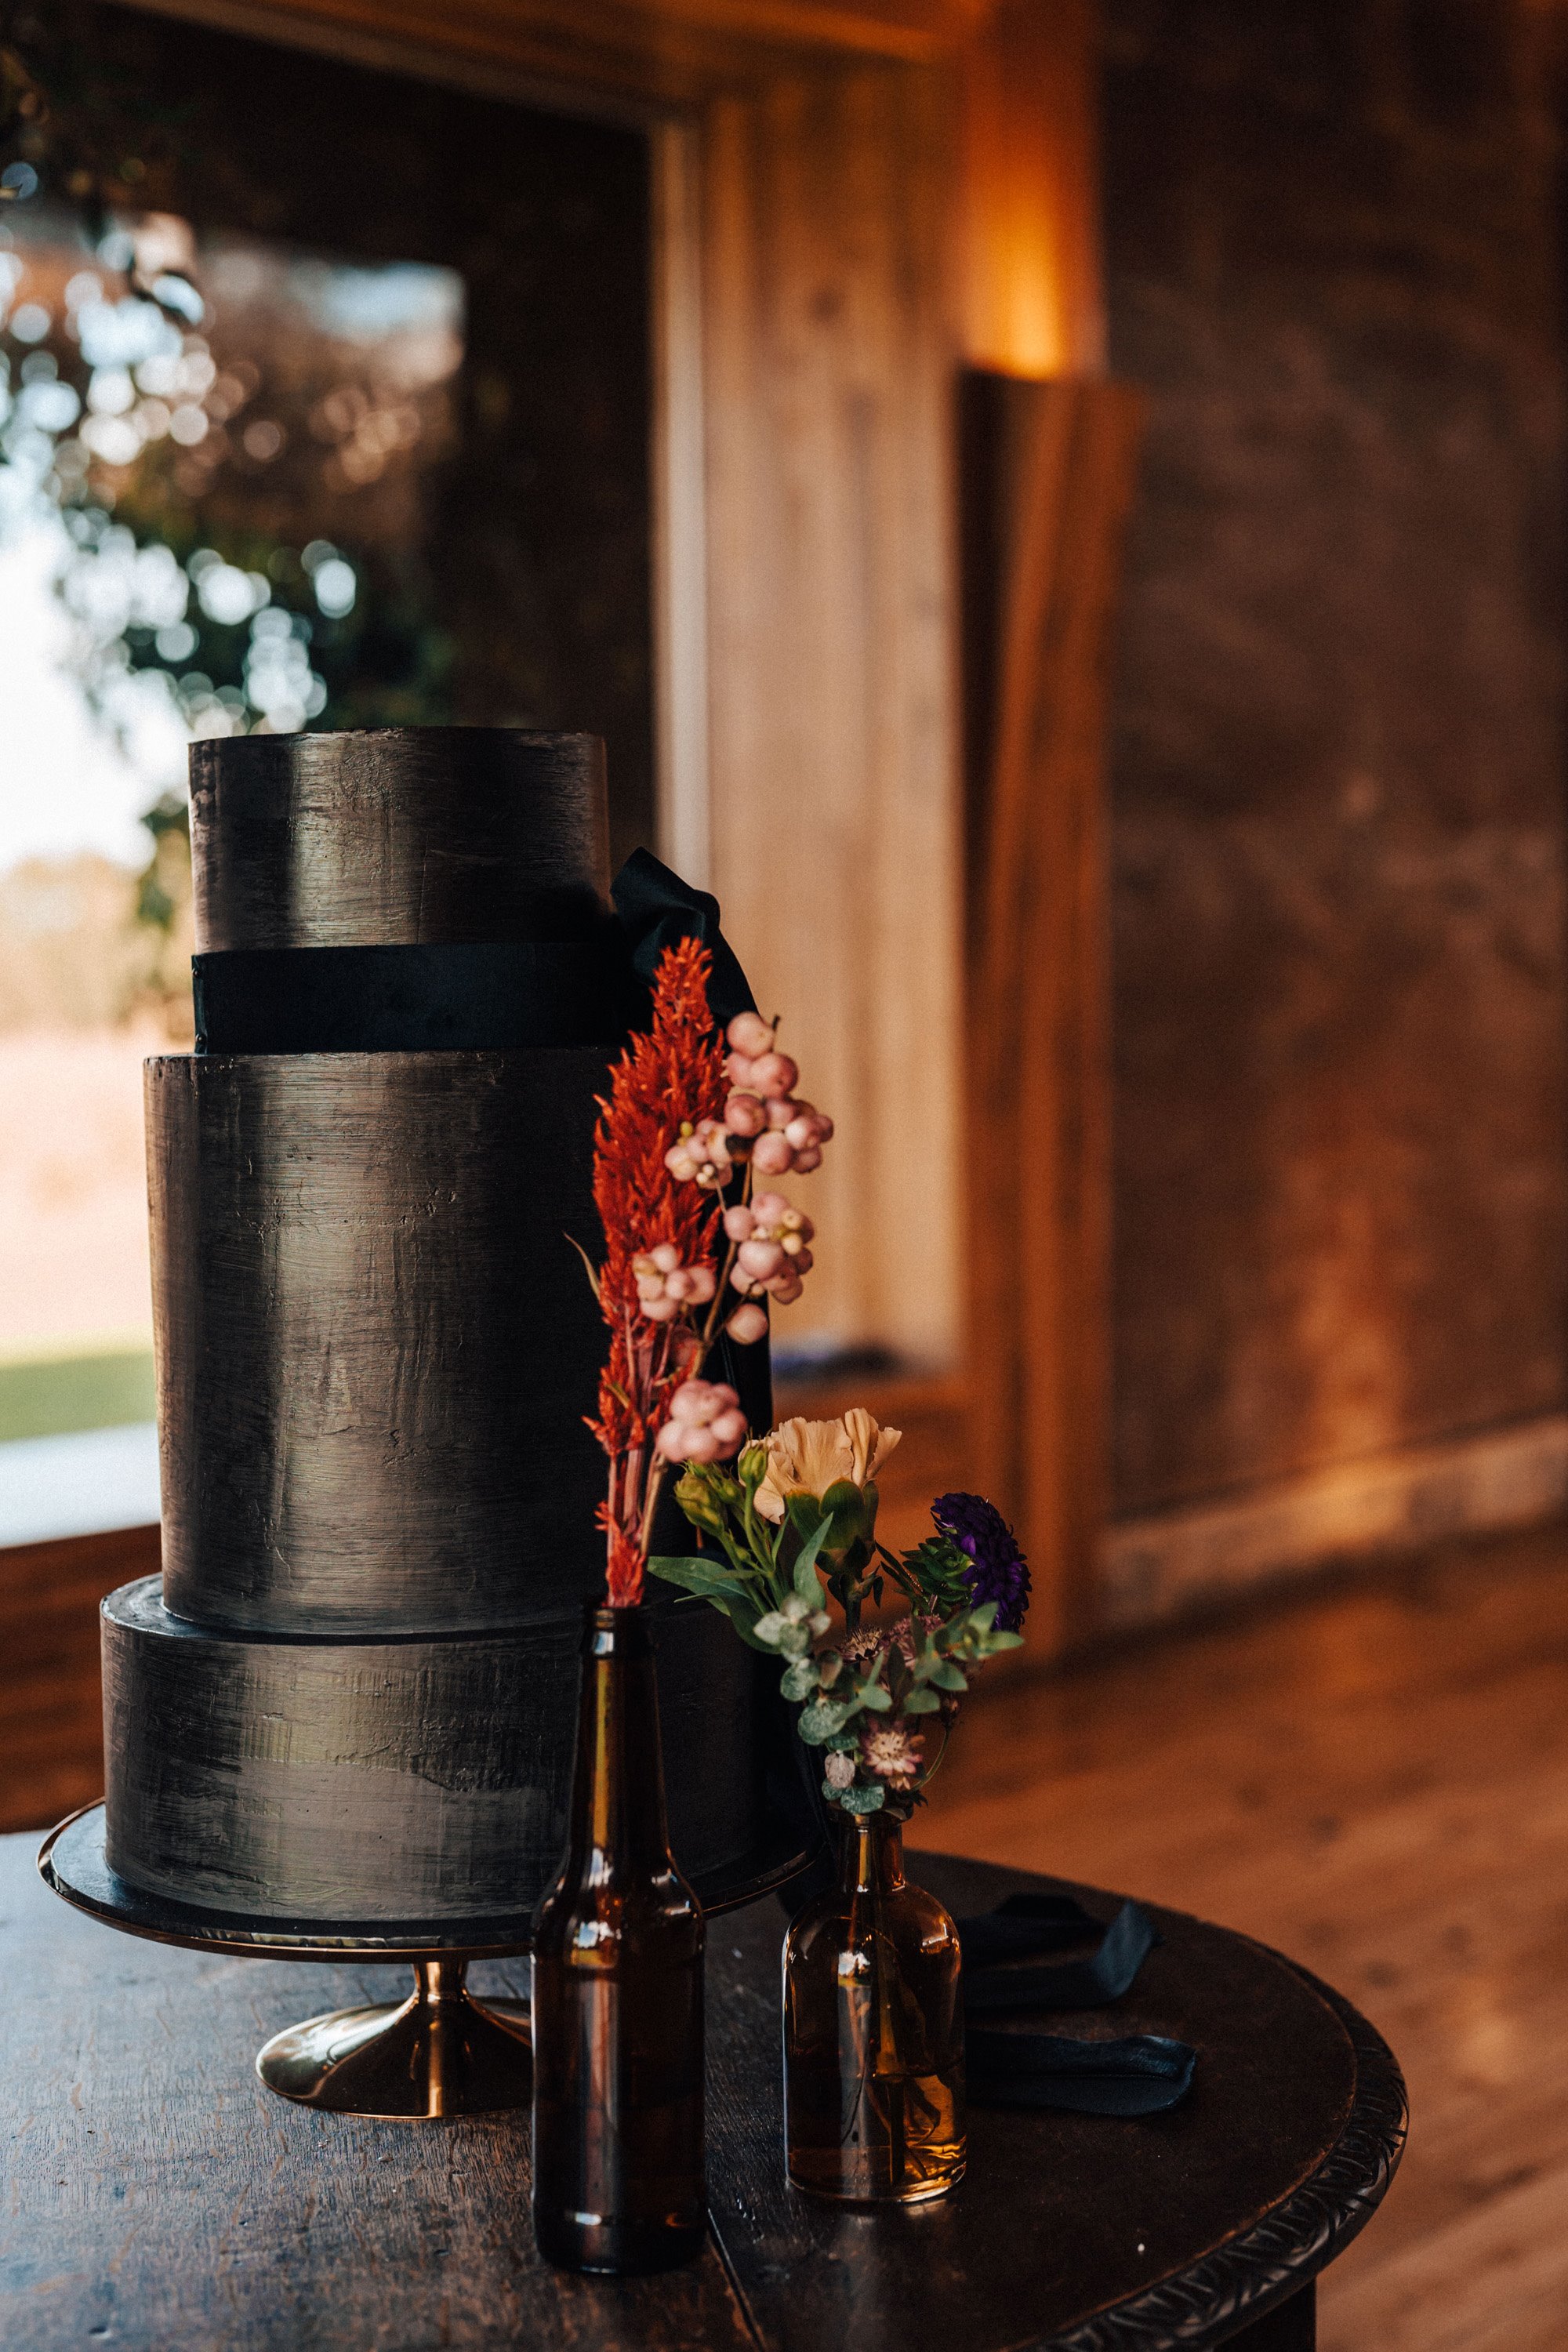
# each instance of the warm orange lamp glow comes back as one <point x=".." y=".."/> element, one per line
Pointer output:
<point x="1032" y="288"/>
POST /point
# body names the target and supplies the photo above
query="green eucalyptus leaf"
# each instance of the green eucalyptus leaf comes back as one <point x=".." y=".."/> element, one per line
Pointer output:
<point x="844" y="1741"/>
<point x="800" y="1678"/>
<point x="743" y="1615"/>
<point x="947" y="1677"/>
<point x="819" y="1721"/>
<point x="863" y="1800"/>
<point x="873" y="1696"/>
<point x="771" y="1629"/>
<point x="921" y="1702"/>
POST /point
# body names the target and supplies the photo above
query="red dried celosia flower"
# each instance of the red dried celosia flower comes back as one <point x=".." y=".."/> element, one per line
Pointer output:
<point x="671" y="1076"/>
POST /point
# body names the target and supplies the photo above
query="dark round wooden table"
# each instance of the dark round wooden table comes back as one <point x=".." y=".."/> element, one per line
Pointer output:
<point x="1203" y="2226"/>
<point x="160" y="2199"/>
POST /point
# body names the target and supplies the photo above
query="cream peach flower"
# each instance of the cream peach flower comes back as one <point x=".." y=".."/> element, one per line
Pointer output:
<point x="807" y="1457"/>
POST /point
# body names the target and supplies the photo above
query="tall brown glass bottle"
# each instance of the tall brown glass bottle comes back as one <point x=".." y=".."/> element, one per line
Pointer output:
<point x="618" y="1992"/>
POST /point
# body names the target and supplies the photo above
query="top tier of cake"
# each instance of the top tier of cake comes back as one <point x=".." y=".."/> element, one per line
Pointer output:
<point x="398" y="837"/>
<point x="376" y="1343"/>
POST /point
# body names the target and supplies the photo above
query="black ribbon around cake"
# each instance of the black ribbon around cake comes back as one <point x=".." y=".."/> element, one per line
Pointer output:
<point x="1014" y="2066"/>
<point x="589" y="985"/>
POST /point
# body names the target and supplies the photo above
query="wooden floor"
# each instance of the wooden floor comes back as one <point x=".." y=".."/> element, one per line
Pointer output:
<point x="1373" y="1777"/>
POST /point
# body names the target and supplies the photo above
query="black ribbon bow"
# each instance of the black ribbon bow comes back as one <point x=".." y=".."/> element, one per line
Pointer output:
<point x="1138" y="2074"/>
<point x="655" y="909"/>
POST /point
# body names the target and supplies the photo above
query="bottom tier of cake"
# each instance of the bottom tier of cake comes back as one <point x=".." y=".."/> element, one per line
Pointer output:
<point x="415" y="1780"/>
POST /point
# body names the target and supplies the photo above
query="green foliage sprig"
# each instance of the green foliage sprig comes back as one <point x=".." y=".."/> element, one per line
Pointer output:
<point x="865" y="1697"/>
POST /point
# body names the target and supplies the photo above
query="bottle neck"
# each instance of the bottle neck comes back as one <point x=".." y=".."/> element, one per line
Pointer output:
<point x="873" y="1855"/>
<point x="619" y="1823"/>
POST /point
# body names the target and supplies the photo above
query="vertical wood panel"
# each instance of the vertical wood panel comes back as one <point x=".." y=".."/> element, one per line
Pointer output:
<point x="680" y="504"/>
<point x="1048" y="476"/>
<point x="833" y="740"/>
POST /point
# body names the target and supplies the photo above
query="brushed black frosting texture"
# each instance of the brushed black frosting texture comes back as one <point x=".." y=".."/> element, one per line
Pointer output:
<point x="381" y="1780"/>
<point x="394" y="836"/>
<point x="376" y="1343"/>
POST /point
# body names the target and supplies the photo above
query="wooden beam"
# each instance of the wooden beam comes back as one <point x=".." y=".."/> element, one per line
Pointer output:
<point x="658" y="52"/>
<point x="1046" y="472"/>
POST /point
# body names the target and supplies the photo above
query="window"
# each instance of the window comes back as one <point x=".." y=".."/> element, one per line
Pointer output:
<point x="339" y="417"/>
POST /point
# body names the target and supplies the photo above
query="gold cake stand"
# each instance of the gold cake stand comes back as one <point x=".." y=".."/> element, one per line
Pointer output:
<point x="438" y="2052"/>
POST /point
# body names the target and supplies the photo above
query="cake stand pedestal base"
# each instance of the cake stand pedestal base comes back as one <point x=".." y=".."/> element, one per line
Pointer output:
<point x="438" y="2052"/>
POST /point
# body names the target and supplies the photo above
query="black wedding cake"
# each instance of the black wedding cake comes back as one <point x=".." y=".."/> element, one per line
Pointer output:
<point x="350" y="1699"/>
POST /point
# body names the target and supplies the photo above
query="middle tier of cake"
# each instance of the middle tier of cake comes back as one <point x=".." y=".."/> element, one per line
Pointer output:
<point x="377" y="1343"/>
<point x="354" y="1782"/>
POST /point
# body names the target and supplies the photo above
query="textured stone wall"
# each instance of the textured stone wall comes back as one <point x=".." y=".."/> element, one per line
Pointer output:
<point x="1338" y="757"/>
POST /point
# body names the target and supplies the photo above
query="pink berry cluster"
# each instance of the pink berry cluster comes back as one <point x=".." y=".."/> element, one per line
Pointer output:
<point x="705" y="1424"/>
<point x="665" y="1288"/>
<point x="701" y="1155"/>
<point x="772" y="1255"/>
<point x="764" y="1122"/>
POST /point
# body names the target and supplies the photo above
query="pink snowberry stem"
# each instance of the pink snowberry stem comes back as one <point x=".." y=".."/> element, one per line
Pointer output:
<point x="765" y="1131"/>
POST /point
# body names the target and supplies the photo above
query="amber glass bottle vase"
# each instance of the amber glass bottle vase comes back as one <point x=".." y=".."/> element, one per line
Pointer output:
<point x="873" y="2031"/>
<point x="618" y="1992"/>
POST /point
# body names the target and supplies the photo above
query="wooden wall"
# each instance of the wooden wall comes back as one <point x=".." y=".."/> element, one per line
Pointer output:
<point x="1340" y="732"/>
<point x="51" y="1708"/>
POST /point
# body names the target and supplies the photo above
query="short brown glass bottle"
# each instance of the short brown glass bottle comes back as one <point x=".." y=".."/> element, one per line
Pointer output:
<point x="873" y="2031"/>
<point x="618" y="1992"/>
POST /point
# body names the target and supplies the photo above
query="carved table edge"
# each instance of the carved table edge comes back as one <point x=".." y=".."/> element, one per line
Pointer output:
<point x="1276" y="2255"/>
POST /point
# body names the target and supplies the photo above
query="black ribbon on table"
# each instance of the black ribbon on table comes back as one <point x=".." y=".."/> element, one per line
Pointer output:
<point x="1137" y="2075"/>
<point x="591" y="987"/>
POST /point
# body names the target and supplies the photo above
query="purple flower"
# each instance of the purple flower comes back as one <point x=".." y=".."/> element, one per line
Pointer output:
<point x="1000" y="1571"/>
